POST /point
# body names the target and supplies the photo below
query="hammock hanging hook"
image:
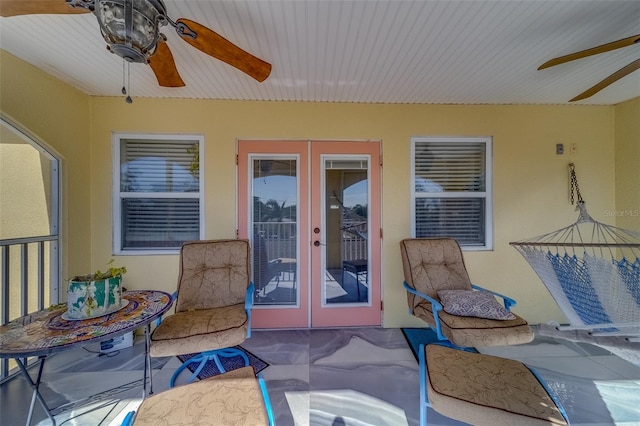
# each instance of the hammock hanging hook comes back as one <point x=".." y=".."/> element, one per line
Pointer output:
<point x="574" y="184"/>
<point x="581" y="206"/>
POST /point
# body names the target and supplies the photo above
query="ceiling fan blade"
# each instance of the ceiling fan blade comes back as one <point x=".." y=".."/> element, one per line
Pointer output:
<point x="37" y="7"/>
<point x="633" y="66"/>
<point x="164" y="67"/>
<point x="593" y="51"/>
<point x="220" y="48"/>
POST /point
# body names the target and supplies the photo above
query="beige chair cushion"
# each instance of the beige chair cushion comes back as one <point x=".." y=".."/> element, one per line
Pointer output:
<point x="473" y="331"/>
<point x="213" y="274"/>
<point x="431" y="265"/>
<point x="233" y="398"/>
<point x="487" y="390"/>
<point x="201" y="330"/>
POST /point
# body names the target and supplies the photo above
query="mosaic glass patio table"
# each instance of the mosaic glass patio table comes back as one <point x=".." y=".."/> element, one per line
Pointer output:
<point x="47" y="331"/>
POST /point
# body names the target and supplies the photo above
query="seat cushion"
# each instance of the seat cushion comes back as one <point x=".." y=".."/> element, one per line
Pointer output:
<point x="473" y="331"/>
<point x="200" y="330"/>
<point x="487" y="390"/>
<point x="233" y="398"/>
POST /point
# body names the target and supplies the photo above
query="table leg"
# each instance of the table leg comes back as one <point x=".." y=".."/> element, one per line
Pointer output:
<point x="36" y="392"/>
<point x="147" y="362"/>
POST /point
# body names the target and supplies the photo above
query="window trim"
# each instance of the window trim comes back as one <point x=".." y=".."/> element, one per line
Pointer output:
<point x="117" y="195"/>
<point x="487" y="195"/>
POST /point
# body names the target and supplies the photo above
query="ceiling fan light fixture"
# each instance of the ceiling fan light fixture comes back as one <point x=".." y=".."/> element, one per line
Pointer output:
<point x="131" y="27"/>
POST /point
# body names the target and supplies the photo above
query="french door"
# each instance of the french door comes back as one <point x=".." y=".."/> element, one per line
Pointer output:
<point x="311" y="210"/>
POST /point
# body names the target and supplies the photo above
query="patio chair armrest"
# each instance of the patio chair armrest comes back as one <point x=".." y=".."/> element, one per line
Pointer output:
<point x="435" y="305"/>
<point x="248" y="301"/>
<point x="508" y="301"/>
<point x="248" y="305"/>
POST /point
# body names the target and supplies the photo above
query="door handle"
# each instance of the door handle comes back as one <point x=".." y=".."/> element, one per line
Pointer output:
<point x="316" y="243"/>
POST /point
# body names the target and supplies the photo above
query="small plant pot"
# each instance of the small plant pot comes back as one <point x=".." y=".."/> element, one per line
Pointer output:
<point x="90" y="299"/>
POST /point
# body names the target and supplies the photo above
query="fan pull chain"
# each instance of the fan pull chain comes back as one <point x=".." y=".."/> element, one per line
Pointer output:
<point x="574" y="184"/>
<point x="128" y="98"/>
<point x="126" y="87"/>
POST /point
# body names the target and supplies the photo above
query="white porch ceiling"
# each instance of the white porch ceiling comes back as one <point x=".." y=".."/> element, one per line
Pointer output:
<point x="365" y="51"/>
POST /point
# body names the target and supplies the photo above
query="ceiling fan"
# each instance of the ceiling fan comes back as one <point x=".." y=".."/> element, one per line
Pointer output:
<point x="633" y="66"/>
<point x="131" y="29"/>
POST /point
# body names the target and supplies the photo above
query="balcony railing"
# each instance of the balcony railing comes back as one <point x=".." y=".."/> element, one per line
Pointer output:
<point x="29" y="280"/>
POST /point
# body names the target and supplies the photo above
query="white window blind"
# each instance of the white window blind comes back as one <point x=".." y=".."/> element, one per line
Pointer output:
<point x="451" y="189"/>
<point x="159" y="196"/>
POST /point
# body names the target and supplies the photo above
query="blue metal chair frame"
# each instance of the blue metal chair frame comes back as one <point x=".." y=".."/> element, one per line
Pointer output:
<point x="265" y="398"/>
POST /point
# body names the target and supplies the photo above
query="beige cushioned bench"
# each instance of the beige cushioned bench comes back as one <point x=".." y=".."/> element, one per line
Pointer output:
<point x="233" y="398"/>
<point x="485" y="390"/>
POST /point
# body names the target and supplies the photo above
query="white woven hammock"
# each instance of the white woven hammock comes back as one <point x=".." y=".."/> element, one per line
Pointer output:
<point x="592" y="271"/>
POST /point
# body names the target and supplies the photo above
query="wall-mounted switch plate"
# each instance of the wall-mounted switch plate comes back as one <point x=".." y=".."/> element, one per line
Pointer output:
<point x="559" y="148"/>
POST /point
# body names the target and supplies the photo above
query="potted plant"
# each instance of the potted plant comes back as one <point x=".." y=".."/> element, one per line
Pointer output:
<point x="94" y="295"/>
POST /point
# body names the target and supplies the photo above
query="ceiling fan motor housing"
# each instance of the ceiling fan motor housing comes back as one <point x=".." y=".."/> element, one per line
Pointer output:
<point x="131" y="27"/>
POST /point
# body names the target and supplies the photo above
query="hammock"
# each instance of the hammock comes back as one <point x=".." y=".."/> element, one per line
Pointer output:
<point x="592" y="271"/>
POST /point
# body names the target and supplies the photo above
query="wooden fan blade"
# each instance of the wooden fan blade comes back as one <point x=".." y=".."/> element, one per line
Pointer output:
<point x="633" y="66"/>
<point x="593" y="51"/>
<point x="37" y="7"/>
<point x="164" y="67"/>
<point x="220" y="48"/>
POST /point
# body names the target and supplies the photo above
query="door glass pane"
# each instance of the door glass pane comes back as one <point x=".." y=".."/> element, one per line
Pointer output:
<point x="275" y="230"/>
<point x="346" y="246"/>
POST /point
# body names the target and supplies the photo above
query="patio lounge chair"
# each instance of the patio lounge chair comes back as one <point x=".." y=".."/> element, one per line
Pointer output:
<point x="441" y="294"/>
<point x="213" y="310"/>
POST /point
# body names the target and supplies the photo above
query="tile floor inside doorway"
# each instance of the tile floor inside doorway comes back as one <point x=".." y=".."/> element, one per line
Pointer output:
<point x="336" y="377"/>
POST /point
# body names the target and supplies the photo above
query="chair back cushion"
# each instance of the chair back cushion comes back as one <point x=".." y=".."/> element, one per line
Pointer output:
<point x="213" y="274"/>
<point x="433" y="264"/>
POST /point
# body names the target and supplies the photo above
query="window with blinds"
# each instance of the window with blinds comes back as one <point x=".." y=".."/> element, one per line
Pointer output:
<point x="452" y="190"/>
<point x="157" y="200"/>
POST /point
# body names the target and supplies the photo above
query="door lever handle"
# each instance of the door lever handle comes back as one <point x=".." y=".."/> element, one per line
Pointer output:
<point x="317" y="243"/>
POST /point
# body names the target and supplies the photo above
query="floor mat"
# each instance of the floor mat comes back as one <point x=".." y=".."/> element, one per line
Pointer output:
<point x="232" y="363"/>
<point x="419" y="336"/>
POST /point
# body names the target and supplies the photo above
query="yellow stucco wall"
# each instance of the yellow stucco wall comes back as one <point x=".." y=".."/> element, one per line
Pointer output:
<point x="59" y="116"/>
<point x="530" y="180"/>
<point x="627" y="213"/>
